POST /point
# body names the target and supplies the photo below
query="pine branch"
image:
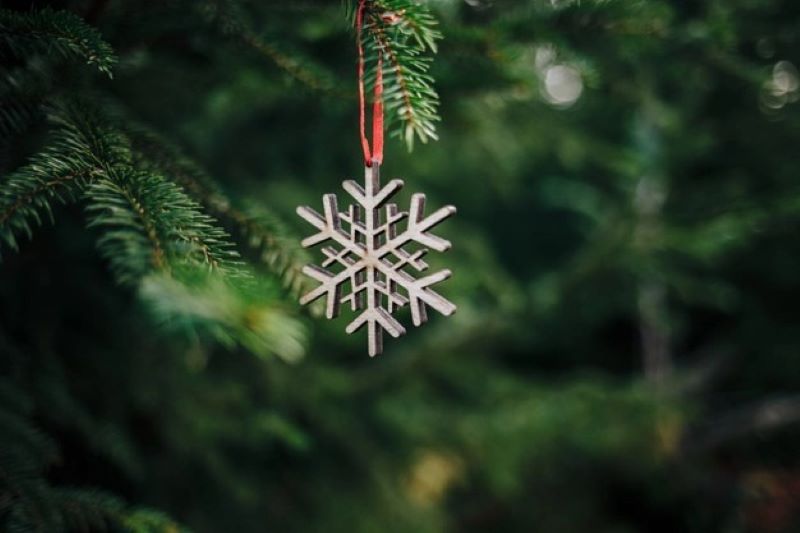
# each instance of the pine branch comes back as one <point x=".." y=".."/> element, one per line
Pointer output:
<point x="79" y="151"/>
<point x="267" y="235"/>
<point x="233" y="22"/>
<point x="32" y="509"/>
<point x="20" y="98"/>
<point x="131" y="242"/>
<point x="299" y="67"/>
<point x="29" y="503"/>
<point x="236" y="313"/>
<point x="156" y="237"/>
<point x="37" y="507"/>
<point x="150" y="521"/>
<point x="15" y="116"/>
<point x="151" y="222"/>
<point x="232" y="313"/>
<point x="54" y="33"/>
<point x="399" y="32"/>
<point x="411" y="18"/>
<point x="24" y="454"/>
<point x="86" y="510"/>
<point x="22" y="440"/>
<point x="258" y="230"/>
<point x="150" y="225"/>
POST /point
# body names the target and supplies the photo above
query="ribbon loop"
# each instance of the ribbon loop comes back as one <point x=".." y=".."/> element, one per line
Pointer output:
<point x="376" y="153"/>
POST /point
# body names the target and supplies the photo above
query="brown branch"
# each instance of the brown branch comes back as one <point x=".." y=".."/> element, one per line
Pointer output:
<point x="206" y="251"/>
<point x="159" y="256"/>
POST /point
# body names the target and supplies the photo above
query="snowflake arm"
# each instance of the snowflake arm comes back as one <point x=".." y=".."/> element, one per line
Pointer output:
<point x="373" y="260"/>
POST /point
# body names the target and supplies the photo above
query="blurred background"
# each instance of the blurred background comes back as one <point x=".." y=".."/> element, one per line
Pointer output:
<point x="625" y="356"/>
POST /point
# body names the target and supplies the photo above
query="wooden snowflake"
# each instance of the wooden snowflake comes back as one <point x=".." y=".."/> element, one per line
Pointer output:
<point x="371" y="258"/>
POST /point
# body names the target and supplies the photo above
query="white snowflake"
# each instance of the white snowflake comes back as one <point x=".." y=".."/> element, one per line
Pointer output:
<point x="372" y="258"/>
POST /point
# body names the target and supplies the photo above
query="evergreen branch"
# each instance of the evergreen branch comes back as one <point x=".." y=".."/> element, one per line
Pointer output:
<point x="152" y="225"/>
<point x="152" y="222"/>
<point x="298" y="67"/>
<point x="29" y="503"/>
<point x="267" y="235"/>
<point x="15" y="116"/>
<point x="232" y="314"/>
<point x="58" y="33"/>
<point x="229" y="17"/>
<point x="20" y="441"/>
<point x="24" y="454"/>
<point x="20" y="92"/>
<point x="131" y="242"/>
<point x="150" y="521"/>
<point x="149" y="225"/>
<point x="399" y="31"/>
<point x="409" y="17"/>
<point x="78" y="152"/>
<point x="30" y="197"/>
<point x="261" y="232"/>
<point x="86" y="510"/>
<point x="32" y="508"/>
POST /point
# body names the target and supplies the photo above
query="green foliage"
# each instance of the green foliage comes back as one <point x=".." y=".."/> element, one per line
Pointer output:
<point x="32" y="46"/>
<point x="234" y="21"/>
<point x="238" y="313"/>
<point x="18" y="103"/>
<point x="262" y="234"/>
<point x="147" y="223"/>
<point x="149" y="521"/>
<point x="79" y="150"/>
<point x="30" y="503"/>
<point x="151" y="225"/>
<point x="624" y="356"/>
<point x="399" y="32"/>
<point x="54" y="33"/>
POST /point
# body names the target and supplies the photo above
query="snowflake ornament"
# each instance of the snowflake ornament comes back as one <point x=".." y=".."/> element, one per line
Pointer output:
<point x="371" y="258"/>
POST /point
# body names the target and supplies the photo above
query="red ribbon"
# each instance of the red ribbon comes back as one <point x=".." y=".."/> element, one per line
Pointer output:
<point x="376" y="154"/>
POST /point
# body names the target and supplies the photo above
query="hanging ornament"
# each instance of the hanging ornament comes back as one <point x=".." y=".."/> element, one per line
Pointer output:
<point x="368" y="250"/>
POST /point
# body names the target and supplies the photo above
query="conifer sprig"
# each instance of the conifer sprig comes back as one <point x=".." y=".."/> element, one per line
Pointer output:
<point x="400" y="32"/>
<point x="54" y="33"/>
<point x="80" y="149"/>
<point x="232" y="313"/>
<point x="151" y="231"/>
<point x="231" y="18"/>
<point x="149" y="221"/>
<point x="260" y="232"/>
<point x="20" y="96"/>
<point x="30" y="503"/>
<point x="150" y="224"/>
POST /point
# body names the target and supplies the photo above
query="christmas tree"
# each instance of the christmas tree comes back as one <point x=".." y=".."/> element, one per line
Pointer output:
<point x="624" y="355"/>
